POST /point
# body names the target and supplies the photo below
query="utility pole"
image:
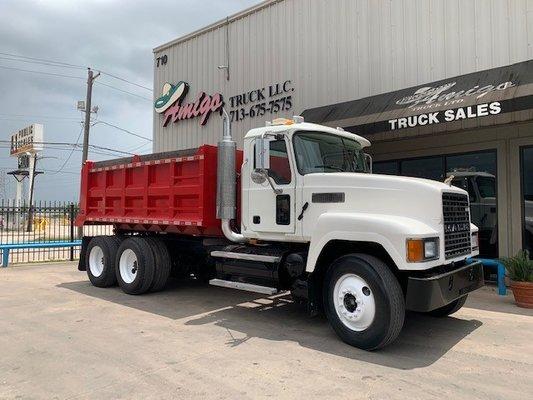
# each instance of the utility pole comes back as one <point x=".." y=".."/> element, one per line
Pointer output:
<point x="87" y="125"/>
<point x="33" y="166"/>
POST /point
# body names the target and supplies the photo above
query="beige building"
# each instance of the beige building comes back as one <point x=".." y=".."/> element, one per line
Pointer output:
<point x="441" y="88"/>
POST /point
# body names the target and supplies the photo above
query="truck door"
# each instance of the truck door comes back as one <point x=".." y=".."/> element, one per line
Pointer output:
<point x="268" y="211"/>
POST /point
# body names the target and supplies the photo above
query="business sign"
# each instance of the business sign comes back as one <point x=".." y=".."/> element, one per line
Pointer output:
<point x="481" y="96"/>
<point x="173" y="108"/>
<point x="444" y="95"/>
<point x="450" y="115"/>
<point x="27" y="140"/>
<point x="270" y="100"/>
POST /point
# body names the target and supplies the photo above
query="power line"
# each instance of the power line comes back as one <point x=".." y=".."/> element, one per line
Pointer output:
<point x="124" y="130"/>
<point x="29" y="119"/>
<point x="37" y="62"/>
<point x="112" y="153"/>
<point x="139" y="147"/>
<point x="124" y="80"/>
<point x="122" y="90"/>
<point x="45" y="60"/>
<point x="70" y="154"/>
<point x="41" y="72"/>
<point x="59" y="172"/>
<point x="76" y="145"/>
<point x="37" y="116"/>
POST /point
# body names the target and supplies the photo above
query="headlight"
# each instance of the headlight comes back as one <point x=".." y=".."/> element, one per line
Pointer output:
<point x="419" y="250"/>
<point x="475" y="240"/>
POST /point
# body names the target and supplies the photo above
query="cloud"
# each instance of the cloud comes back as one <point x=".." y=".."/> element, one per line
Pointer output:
<point x="114" y="36"/>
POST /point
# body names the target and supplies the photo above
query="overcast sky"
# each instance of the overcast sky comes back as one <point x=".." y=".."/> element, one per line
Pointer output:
<point x="116" y="36"/>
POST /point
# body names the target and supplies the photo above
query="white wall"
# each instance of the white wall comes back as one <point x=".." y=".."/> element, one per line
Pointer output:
<point x="339" y="50"/>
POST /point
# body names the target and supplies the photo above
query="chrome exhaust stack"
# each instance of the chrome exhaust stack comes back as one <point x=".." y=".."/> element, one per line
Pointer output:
<point x="227" y="181"/>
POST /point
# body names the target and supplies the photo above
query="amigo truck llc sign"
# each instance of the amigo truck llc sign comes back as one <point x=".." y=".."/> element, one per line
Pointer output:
<point x="268" y="100"/>
<point x="174" y="109"/>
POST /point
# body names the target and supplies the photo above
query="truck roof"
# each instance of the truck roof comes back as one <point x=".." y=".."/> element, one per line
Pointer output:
<point x="307" y="126"/>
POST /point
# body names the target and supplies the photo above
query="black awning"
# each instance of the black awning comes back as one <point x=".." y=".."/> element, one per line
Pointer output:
<point x="490" y="97"/>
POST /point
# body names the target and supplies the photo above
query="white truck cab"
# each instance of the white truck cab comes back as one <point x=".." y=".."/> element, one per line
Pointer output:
<point x="360" y="246"/>
<point x="326" y="192"/>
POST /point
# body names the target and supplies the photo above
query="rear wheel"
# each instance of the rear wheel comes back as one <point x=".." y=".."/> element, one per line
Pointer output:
<point x="363" y="301"/>
<point x="100" y="260"/>
<point x="449" y="309"/>
<point x="162" y="263"/>
<point x="135" y="265"/>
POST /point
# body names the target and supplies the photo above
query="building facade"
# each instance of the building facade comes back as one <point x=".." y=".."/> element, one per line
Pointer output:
<point x="441" y="88"/>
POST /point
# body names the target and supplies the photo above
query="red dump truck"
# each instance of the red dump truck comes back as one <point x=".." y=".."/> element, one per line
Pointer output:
<point x="297" y="210"/>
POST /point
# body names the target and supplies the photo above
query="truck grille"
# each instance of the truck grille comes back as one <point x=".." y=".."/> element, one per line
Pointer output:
<point x="456" y="224"/>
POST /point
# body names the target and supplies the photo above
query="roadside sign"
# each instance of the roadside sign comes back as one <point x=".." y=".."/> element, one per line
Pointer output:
<point x="27" y="140"/>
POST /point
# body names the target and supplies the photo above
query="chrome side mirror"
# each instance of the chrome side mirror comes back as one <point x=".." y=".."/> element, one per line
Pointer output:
<point x="262" y="153"/>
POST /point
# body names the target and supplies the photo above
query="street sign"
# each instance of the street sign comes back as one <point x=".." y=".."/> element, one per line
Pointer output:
<point x="27" y="140"/>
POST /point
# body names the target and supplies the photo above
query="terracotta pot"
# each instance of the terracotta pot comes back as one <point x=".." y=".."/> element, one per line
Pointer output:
<point x="523" y="293"/>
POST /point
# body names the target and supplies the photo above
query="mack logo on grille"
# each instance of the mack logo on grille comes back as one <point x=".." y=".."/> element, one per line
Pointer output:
<point x="456" y="216"/>
<point x="450" y="228"/>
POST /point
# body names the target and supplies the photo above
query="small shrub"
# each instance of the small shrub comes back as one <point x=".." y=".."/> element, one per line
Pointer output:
<point x="520" y="267"/>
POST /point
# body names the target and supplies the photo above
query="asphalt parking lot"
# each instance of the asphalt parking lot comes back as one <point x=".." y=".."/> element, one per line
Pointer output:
<point x="62" y="338"/>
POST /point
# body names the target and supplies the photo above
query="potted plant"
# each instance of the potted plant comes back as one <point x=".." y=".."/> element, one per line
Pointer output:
<point x="520" y="272"/>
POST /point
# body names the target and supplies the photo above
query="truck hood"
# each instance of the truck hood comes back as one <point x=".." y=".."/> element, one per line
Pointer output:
<point x="416" y="198"/>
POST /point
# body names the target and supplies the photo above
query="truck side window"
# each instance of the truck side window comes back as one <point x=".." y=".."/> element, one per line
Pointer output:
<point x="280" y="169"/>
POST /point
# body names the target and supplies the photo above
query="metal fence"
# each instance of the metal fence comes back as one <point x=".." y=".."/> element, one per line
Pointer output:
<point x="45" y="222"/>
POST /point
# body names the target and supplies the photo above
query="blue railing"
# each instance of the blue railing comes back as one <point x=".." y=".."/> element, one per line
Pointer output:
<point x="500" y="270"/>
<point x="5" y="248"/>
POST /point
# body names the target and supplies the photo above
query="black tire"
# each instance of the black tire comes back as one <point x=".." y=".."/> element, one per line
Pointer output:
<point x="107" y="246"/>
<point x="449" y="309"/>
<point x="162" y="264"/>
<point x="388" y="297"/>
<point x="142" y="268"/>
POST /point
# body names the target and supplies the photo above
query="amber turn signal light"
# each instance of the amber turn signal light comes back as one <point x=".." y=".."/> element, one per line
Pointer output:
<point x="426" y="249"/>
<point x="415" y="250"/>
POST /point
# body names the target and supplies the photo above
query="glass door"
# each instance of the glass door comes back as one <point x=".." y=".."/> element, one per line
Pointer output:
<point x="526" y="168"/>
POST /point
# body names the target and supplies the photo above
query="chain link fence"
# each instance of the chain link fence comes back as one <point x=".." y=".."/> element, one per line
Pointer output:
<point x="45" y="222"/>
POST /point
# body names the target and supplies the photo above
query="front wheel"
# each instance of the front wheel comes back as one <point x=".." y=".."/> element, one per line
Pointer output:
<point x="363" y="301"/>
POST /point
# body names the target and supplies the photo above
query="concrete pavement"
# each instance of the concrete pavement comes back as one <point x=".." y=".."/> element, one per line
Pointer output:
<point x="62" y="338"/>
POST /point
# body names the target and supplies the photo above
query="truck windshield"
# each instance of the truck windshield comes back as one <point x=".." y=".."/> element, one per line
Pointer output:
<point x="323" y="152"/>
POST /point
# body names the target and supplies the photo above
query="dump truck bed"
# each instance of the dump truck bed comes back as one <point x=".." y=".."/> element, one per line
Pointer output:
<point x="170" y="192"/>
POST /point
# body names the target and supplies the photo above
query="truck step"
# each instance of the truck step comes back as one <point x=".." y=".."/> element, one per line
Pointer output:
<point x="245" y="256"/>
<point x="249" y="287"/>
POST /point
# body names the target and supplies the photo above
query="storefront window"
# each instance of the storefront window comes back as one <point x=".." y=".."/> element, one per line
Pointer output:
<point x="386" y="167"/>
<point x="428" y="167"/>
<point x="476" y="173"/>
<point x="527" y="198"/>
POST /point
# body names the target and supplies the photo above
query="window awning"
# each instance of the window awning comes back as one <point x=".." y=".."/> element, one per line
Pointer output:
<point x="491" y="97"/>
